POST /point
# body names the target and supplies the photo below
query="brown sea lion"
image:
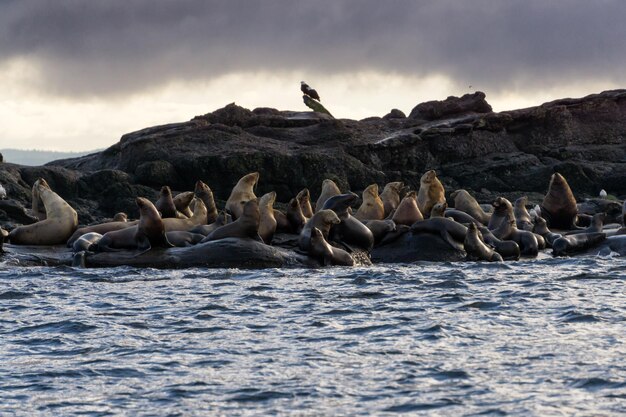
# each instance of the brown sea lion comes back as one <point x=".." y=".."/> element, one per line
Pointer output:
<point x="267" y="225"/>
<point x="464" y="201"/>
<point x="61" y="221"/>
<point x="148" y="233"/>
<point x="380" y="229"/>
<point x="295" y="217"/>
<point x="304" y="199"/>
<point x="568" y="245"/>
<point x="327" y="255"/>
<point x="38" y="208"/>
<point x="541" y="228"/>
<point x="439" y="210"/>
<point x="241" y="194"/>
<point x="246" y="226"/>
<point x="559" y="205"/>
<point x="204" y="193"/>
<point x="182" y="239"/>
<point x="101" y="228"/>
<point x="596" y="226"/>
<point x="476" y="248"/>
<point x="509" y="250"/>
<point x="84" y="242"/>
<point x="372" y="207"/>
<point x="461" y="217"/>
<point x="391" y="196"/>
<point x="351" y="232"/>
<point x="282" y="222"/>
<point x="198" y="218"/>
<point x="450" y="231"/>
<point x="165" y="204"/>
<point x="323" y="220"/>
<point x="522" y="217"/>
<point x="502" y="225"/>
<point x="205" y="229"/>
<point x="408" y="212"/>
<point x="430" y="193"/>
<point x="329" y="189"/>
<point x="182" y="201"/>
<point x="120" y="217"/>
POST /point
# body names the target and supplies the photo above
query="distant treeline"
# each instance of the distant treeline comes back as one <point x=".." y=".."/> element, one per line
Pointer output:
<point x="36" y="157"/>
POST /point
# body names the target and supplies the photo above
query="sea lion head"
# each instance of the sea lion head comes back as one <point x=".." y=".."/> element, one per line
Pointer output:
<point x="42" y="182"/>
<point x="328" y="185"/>
<point x="428" y="177"/>
<point x="146" y="208"/>
<point x="340" y="203"/>
<point x="522" y="201"/>
<point x="294" y="204"/>
<point x="267" y="200"/>
<point x="304" y="195"/>
<point x="329" y="216"/>
<point x="396" y="186"/>
<point x="438" y="209"/>
<point x="250" y="179"/>
<point x="120" y="217"/>
<point x="166" y="191"/>
<point x="251" y="209"/>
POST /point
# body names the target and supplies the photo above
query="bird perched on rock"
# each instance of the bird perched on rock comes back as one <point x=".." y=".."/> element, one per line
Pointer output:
<point x="304" y="87"/>
<point x="3" y="193"/>
<point x="602" y="194"/>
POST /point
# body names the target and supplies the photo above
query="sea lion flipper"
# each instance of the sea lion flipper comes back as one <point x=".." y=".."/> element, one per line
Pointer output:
<point x="450" y="240"/>
<point x="79" y="260"/>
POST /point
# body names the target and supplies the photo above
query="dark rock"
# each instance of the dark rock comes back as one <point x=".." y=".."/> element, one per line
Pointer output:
<point x="452" y="106"/>
<point x="395" y="114"/>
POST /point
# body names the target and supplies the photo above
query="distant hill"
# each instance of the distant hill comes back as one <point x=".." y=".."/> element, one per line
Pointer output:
<point x="36" y="157"/>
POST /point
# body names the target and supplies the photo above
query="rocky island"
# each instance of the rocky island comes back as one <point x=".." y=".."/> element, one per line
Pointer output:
<point x="488" y="153"/>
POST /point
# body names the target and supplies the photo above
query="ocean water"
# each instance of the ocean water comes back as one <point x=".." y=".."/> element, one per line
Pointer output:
<point x="544" y="337"/>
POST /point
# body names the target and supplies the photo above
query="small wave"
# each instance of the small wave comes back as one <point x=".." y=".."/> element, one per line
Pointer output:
<point x="367" y="294"/>
<point x="14" y="295"/>
<point x="408" y="407"/>
<point x="65" y="326"/>
<point x="482" y="305"/>
<point x="253" y="395"/>
<point x="577" y="317"/>
<point x="587" y="276"/>
<point x="595" y="384"/>
<point x="368" y="329"/>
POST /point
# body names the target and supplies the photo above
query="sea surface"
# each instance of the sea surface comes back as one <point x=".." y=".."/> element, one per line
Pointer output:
<point x="544" y="337"/>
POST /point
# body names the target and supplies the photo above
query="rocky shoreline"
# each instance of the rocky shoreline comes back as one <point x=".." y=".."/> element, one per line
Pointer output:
<point x="490" y="154"/>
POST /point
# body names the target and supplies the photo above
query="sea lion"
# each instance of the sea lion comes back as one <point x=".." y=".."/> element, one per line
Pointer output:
<point x="320" y="249"/>
<point x="120" y="217"/>
<point x="372" y="207"/>
<point x="541" y="228"/>
<point x="85" y="241"/>
<point x="502" y="225"/>
<point x="460" y="216"/>
<point x="101" y="228"/>
<point x="509" y="250"/>
<point x="380" y="229"/>
<point x="182" y="201"/>
<point x="267" y="225"/>
<point x="452" y="232"/>
<point x="323" y="220"/>
<point x="148" y="233"/>
<point x="476" y="248"/>
<point x="3" y="235"/>
<point x="439" y="210"/>
<point x="391" y="196"/>
<point x="198" y="218"/>
<point x="165" y="204"/>
<point x="430" y="193"/>
<point x="205" y="229"/>
<point x="182" y="239"/>
<point x="204" y="193"/>
<point x="61" y="221"/>
<point x="329" y="189"/>
<point x="408" y="212"/>
<point x="246" y="226"/>
<point x="304" y="199"/>
<point x="295" y="217"/>
<point x="559" y="205"/>
<point x="612" y="208"/>
<point x="523" y="220"/>
<point x="597" y="223"/>
<point x="38" y="208"/>
<point x="282" y="222"/>
<point x="241" y="194"/>
<point x="464" y="201"/>
<point x="567" y="245"/>
<point x="350" y="232"/>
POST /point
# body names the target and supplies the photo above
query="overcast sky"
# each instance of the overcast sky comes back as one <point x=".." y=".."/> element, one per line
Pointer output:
<point x="76" y="75"/>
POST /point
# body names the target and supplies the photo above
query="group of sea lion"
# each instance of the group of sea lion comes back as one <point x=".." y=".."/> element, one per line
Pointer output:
<point x="330" y="231"/>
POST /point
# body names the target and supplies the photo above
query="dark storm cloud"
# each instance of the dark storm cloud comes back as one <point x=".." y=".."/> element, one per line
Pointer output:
<point x="117" y="47"/>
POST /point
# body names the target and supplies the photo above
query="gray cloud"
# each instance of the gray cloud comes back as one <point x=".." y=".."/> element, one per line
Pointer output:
<point x="117" y="47"/>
